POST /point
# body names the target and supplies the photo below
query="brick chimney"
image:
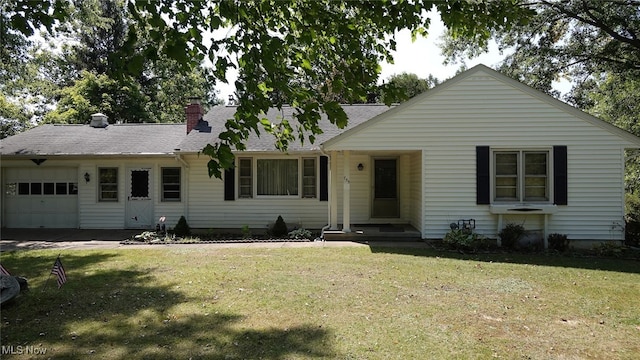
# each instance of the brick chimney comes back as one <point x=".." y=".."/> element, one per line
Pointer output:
<point x="194" y="112"/>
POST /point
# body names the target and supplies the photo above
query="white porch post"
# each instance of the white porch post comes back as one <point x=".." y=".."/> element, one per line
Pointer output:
<point x="333" y="191"/>
<point x="346" y="196"/>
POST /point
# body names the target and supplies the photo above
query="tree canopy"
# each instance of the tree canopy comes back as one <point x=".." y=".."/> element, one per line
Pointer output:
<point x="572" y="39"/>
<point x="70" y="72"/>
<point x="277" y="46"/>
<point x="410" y="85"/>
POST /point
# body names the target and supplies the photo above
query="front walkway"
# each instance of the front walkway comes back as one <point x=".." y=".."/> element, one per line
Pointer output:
<point x="83" y="239"/>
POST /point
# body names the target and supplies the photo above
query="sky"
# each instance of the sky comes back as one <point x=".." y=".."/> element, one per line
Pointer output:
<point x="423" y="57"/>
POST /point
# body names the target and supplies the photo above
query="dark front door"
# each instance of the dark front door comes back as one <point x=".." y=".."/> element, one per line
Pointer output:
<point x="385" y="202"/>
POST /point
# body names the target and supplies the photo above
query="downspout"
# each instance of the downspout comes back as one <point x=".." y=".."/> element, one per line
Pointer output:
<point x="324" y="228"/>
<point x="186" y="185"/>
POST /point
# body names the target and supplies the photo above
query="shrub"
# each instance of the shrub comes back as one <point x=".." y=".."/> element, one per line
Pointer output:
<point x="632" y="220"/>
<point x="466" y="239"/>
<point x="510" y="235"/>
<point x="182" y="228"/>
<point x="300" y="234"/>
<point x="279" y="228"/>
<point x="609" y="249"/>
<point x="558" y="242"/>
<point x="246" y="232"/>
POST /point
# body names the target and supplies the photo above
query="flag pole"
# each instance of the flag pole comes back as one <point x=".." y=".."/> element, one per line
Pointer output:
<point x="49" y="278"/>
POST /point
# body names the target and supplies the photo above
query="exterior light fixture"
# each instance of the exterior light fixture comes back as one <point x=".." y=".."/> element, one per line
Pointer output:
<point x="87" y="177"/>
<point x="360" y="167"/>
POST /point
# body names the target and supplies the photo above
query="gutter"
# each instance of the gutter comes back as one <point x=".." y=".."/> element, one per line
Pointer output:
<point x="330" y="185"/>
<point x="179" y="158"/>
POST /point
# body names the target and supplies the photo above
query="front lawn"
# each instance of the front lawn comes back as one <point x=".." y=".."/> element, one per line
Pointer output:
<point x="300" y="303"/>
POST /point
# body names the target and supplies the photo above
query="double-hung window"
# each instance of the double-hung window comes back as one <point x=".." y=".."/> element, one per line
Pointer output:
<point x="170" y="184"/>
<point x="108" y="184"/>
<point x="277" y="177"/>
<point x="521" y="176"/>
<point x="245" y="180"/>
<point x="309" y="178"/>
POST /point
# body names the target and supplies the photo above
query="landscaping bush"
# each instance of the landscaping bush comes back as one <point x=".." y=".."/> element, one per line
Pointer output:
<point x="460" y="239"/>
<point x="300" y="234"/>
<point x="558" y="242"/>
<point x="632" y="220"/>
<point x="466" y="239"/>
<point x="279" y="228"/>
<point x="510" y="235"/>
<point x="182" y="228"/>
<point x="246" y="232"/>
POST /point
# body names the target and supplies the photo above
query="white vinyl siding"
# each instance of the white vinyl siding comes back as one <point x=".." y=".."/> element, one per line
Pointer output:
<point x="208" y="210"/>
<point x="479" y="110"/>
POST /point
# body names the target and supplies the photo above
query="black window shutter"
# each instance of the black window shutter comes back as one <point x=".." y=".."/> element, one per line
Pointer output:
<point x="560" y="185"/>
<point x="483" y="183"/>
<point x="229" y="184"/>
<point x="324" y="178"/>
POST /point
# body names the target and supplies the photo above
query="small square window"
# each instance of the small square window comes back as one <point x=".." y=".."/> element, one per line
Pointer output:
<point x="61" y="188"/>
<point x="36" y="188"/>
<point x="23" y="188"/>
<point x="49" y="188"/>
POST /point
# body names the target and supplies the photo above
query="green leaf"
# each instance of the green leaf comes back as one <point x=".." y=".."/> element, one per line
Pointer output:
<point x="135" y="64"/>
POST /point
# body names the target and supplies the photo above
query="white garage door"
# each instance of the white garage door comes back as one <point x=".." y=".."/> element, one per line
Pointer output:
<point x="41" y="198"/>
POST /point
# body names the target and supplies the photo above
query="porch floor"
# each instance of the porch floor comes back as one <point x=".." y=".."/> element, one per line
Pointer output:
<point x="375" y="232"/>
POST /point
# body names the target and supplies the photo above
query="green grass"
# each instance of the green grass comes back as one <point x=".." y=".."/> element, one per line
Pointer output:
<point x="301" y="303"/>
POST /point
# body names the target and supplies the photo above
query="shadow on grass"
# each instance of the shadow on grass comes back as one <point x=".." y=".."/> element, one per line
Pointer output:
<point x="107" y="313"/>
<point x="568" y="260"/>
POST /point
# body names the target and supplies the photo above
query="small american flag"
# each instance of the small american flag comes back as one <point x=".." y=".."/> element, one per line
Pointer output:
<point x="4" y="271"/>
<point x="58" y="271"/>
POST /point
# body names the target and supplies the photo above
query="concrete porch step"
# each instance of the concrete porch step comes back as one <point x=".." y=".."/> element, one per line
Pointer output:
<point x="386" y="232"/>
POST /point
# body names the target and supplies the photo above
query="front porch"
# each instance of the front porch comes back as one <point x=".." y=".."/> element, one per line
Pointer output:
<point x="375" y="232"/>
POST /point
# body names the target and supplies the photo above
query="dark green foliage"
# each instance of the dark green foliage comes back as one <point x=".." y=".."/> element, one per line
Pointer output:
<point x="280" y="56"/>
<point x="407" y="85"/>
<point x="279" y="228"/>
<point x="466" y="239"/>
<point x="460" y="238"/>
<point x="632" y="220"/>
<point x="558" y="242"/>
<point x="300" y="234"/>
<point x="182" y="228"/>
<point x="510" y="235"/>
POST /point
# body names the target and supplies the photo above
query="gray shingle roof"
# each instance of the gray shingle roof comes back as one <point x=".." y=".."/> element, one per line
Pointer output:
<point x="217" y="117"/>
<point x="159" y="139"/>
<point x="86" y="140"/>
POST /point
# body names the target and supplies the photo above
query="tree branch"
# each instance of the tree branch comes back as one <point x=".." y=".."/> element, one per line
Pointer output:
<point x="594" y="21"/>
